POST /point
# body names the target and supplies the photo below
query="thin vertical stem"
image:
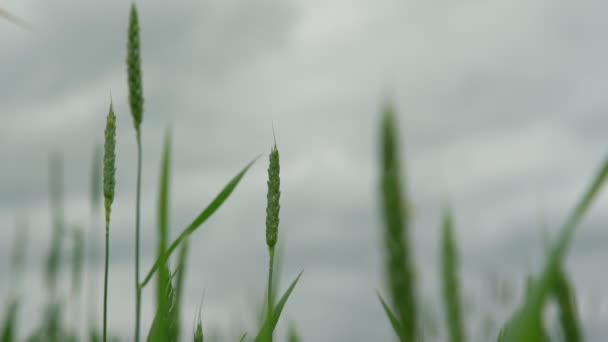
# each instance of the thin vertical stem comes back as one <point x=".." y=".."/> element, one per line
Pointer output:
<point x="270" y="268"/>
<point x="105" y="286"/>
<point x="137" y="219"/>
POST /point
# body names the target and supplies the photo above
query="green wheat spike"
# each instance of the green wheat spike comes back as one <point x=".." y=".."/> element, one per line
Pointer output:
<point x="273" y="197"/>
<point x="136" y="95"/>
<point x="109" y="183"/>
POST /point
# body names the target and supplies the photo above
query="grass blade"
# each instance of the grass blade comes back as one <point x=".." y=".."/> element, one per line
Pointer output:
<point x="243" y="337"/>
<point x="399" y="262"/>
<point x="451" y="288"/>
<point x="199" y="220"/>
<point x="179" y="286"/>
<point x="265" y="333"/>
<point x="198" y="330"/>
<point x="525" y="324"/>
<point x="9" y="327"/>
<point x="569" y="320"/>
<point x="161" y="328"/>
<point x="163" y="279"/>
<point x="392" y="318"/>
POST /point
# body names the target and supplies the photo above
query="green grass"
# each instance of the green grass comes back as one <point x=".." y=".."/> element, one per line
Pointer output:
<point x="403" y="308"/>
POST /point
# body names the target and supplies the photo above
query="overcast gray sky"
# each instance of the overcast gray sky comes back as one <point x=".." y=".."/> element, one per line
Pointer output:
<point x="501" y="109"/>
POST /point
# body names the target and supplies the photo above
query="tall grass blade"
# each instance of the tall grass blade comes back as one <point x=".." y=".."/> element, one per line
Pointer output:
<point x="569" y="321"/>
<point x="199" y="220"/>
<point x="243" y="337"/>
<point x="451" y="287"/>
<point x="179" y="287"/>
<point x="161" y="328"/>
<point x="163" y="281"/>
<point x="198" y="330"/>
<point x="399" y="263"/>
<point x="265" y="333"/>
<point x="392" y="318"/>
<point x="525" y="324"/>
<point x="9" y="327"/>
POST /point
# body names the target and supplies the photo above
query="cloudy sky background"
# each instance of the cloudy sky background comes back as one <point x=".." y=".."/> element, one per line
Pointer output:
<point x="501" y="110"/>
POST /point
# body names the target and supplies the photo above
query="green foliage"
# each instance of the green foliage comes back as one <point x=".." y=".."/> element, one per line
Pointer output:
<point x="568" y="318"/>
<point x="179" y="275"/>
<point x="399" y="264"/>
<point x="526" y="325"/>
<point x="198" y="330"/>
<point x="163" y="284"/>
<point x="199" y="220"/>
<point x="265" y="333"/>
<point x="395" y="324"/>
<point x="9" y="327"/>
<point x="451" y="288"/>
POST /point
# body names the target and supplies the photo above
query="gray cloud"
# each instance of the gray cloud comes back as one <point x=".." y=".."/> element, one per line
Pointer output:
<point x="501" y="112"/>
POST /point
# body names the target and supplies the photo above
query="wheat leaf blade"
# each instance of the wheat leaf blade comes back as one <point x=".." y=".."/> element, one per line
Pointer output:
<point x="265" y="333"/>
<point x="524" y="326"/>
<point x="200" y="219"/>
<point x="451" y="288"/>
<point x="163" y="279"/>
<point x="391" y="317"/>
<point x="398" y="257"/>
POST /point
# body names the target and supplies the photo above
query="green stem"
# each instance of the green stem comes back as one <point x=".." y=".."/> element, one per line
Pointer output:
<point x="105" y="285"/>
<point x="137" y="288"/>
<point x="270" y="268"/>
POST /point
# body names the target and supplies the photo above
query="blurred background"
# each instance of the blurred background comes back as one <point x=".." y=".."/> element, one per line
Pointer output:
<point x="502" y="112"/>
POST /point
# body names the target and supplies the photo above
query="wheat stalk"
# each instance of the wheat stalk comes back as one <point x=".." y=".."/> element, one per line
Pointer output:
<point x="136" y="102"/>
<point x="272" y="216"/>
<point x="109" y="183"/>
